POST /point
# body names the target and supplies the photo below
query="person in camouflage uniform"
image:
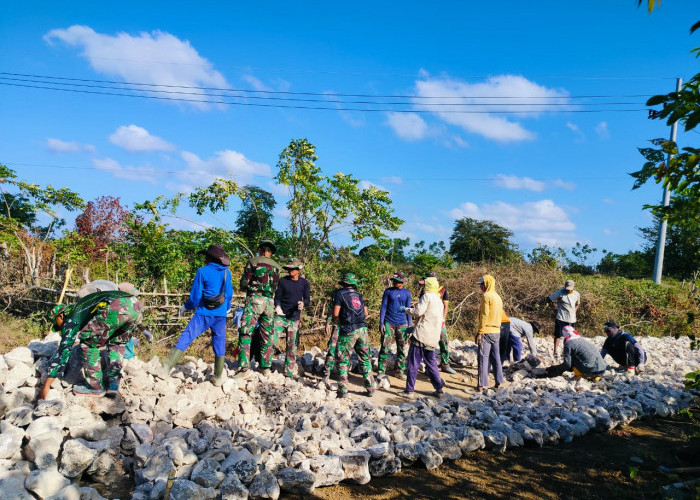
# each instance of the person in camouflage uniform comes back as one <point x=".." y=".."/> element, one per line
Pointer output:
<point x="102" y="320"/>
<point x="350" y="311"/>
<point x="292" y="296"/>
<point x="332" y="330"/>
<point x="393" y="325"/>
<point x="259" y="281"/>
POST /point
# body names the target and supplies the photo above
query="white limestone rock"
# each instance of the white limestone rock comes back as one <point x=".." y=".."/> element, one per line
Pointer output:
<point x="46" y="482"/>
<point x="264" y="486"/>
<point x="10" y="440"/>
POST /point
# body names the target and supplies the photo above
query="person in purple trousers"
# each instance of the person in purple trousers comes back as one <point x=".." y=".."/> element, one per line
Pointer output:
<point x="425" y="338"/>
<point x="489" y="333"/>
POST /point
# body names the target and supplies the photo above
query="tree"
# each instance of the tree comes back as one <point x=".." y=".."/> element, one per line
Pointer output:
<point x="681" y="173"/>
<point x="255" y="217"/>
<point x="103" y="222"/>
<point x="578" y="262"/>
<point x="634" y="264"/>
<point x="546" y="255"/>
<point x="390" y="250"/>
<point x="33" y="199"/>
<point x="474" y="240"/>
<point x="320" y="205"/>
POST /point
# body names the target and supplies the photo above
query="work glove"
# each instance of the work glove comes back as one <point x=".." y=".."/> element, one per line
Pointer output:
<point x="181" y="311"/>
<point x="300" y="305"/>
<point x="402" y="309"/>
<point x="279" y="311"/>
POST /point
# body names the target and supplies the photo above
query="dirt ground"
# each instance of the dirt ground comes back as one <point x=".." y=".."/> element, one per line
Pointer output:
<point x="595" y="466"/>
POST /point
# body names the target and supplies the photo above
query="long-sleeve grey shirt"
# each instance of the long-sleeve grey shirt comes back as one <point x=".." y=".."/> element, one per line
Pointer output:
<point x="518" y="328"/>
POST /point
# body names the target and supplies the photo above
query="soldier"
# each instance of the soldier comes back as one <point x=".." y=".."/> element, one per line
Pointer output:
<point x="102" y="320"/>
<point x="259" y="281"/>
<point x="393" y="325"/>
<point x="291" y="297"/>
<point x="332" y="330"/>
<point x="210" y="298"/>
<point x="350" y="312"/>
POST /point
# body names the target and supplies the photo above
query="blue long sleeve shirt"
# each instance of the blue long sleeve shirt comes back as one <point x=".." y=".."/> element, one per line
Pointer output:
<point x="207" y="283"/>
<point x="392" y="299"/>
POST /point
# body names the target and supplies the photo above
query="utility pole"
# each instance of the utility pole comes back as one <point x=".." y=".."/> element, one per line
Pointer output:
<point x="661" y="242"/>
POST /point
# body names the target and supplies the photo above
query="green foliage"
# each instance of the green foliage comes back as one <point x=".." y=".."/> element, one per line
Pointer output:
<point x="633" y="264"/>
<point x="693" y="381"/>
<point x="390" y="250"/>
<point x="425" y="259"/>
<point x="578" y="262"/>
<point x="547" y="256"/>
<point x="320" y="205"/>
<point x="682" y="252"/>
<point x="478" y="241"/>
<point x="254" y="220"/>
<point x="633" y="472"/>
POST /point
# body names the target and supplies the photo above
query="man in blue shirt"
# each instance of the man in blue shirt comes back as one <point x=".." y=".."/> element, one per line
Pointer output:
<point x="393" y="324"/>
<point x="210" y="298"/>
<point x="623" y="348"/>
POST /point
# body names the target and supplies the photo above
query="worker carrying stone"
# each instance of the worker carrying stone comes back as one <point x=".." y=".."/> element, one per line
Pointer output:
<point x="99" y="321"/>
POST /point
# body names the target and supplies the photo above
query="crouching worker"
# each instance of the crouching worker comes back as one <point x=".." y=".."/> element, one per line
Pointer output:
<point x="350" y="312"/>
<point x="623" y="348"/>
<point x="425" y="338"/>
<point x="580" y="356"/>
<point x="210" y="298"/>
<point x="98" y="321"/>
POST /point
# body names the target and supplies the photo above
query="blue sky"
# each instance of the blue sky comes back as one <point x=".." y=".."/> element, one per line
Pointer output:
<point x="554" y="91"/>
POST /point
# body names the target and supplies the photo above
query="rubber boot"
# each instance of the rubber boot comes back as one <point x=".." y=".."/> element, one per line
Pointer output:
<point x="172" y="359"/>
<point x="218" y="377"/>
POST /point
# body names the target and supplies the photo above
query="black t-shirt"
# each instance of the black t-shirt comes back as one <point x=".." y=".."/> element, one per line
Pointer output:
<point x="352" y="309"/>
<point x="289" y="293"/>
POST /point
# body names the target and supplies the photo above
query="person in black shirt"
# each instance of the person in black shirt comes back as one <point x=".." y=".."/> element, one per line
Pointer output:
<point x="291" y="297"/>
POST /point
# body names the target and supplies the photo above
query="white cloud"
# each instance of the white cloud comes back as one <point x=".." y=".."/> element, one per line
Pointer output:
<point x="225" y="164"/>
<point x="569" y="186"/>
<point x="527" y="219"/>
<point x="153" y="58"/>
<point x="447" y="97"/>
<point x="514" y="182"/>
<point x="256" y="83"/>
<point x="602" y="130"/>
<point x="147" y="174"/>
<point x="408" y="126"/>
<point x="574" y="128"/>
<point x="59" y="146"/>
<point x="609" y="201"/>
<point x="136" y="139"/>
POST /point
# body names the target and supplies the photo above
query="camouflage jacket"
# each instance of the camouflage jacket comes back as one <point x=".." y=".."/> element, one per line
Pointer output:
<point x="78" y="315"/>
<point x="260" y="277"/>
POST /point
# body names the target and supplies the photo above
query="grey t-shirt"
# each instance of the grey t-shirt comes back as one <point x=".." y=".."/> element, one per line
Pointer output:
<point x="566" y="304"/>
<point x="518" y="327"/>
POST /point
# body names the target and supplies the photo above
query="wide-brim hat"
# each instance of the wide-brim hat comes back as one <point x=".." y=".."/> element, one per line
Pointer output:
<point x="267" y="242"/>
<point x="293" y="263"/>
<point x="348" y="279"/>
<point x="217" y="253"/>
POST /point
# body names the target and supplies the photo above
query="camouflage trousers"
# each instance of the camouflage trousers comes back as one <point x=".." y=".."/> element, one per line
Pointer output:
<point x="289" y="329"/>
<point x="444" y="353"/>
<point x="258" y="311"/>
<point x="397" y="333"/>
<point x="110" y="329"/>
<point x="359" y="341"/>
<point x="331" y="351"/>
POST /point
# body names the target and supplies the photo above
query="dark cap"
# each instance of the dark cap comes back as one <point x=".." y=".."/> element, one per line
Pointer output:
<point x="217" y="254"/>
<point x="611" y="324"/>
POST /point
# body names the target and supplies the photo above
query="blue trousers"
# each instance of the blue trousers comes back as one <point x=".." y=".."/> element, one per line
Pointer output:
<point x="200" y="324"/>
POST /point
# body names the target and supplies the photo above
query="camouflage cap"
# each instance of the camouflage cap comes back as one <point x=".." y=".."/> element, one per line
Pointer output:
<point x="293" y="263"/>
<point x="267" y="242"/>
<point x="53" y="315"/>
<point x="348" y="279"/>
<point x="398" y="276"/>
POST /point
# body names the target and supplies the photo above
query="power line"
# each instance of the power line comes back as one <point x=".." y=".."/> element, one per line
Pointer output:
<point x="378" y="179"/>
<point x="324" y="94"/>
<point x="329" y="108"/>
<point x="295" y="99"/>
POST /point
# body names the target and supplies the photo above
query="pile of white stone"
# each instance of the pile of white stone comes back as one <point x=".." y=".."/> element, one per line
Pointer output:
<point x="257" y="437"/>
